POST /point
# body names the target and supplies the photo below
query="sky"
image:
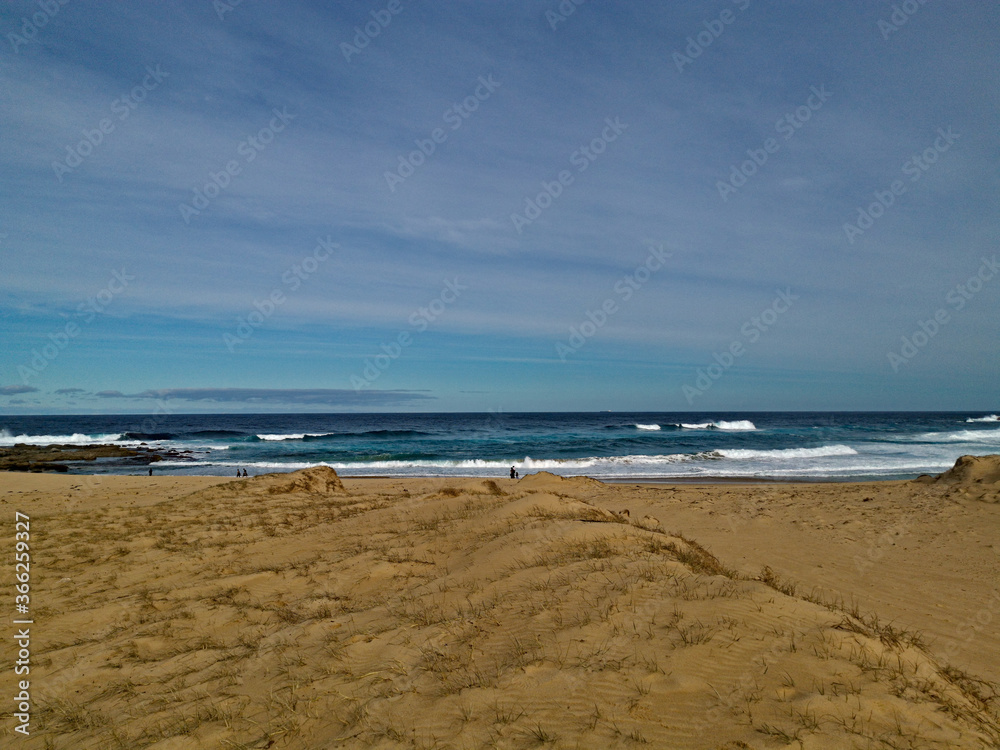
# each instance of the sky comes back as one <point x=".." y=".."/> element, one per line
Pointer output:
<point x="531" y="205"/>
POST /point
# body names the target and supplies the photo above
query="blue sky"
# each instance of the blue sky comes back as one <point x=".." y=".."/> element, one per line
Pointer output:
<point x="633" y="206"/>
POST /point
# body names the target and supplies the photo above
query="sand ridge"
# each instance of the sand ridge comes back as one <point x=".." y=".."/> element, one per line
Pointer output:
<point x="979" y="472"/>
<point x="301" y="611"/>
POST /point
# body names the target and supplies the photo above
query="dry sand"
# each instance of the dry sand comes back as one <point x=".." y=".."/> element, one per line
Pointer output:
<point x="296" y="611"/>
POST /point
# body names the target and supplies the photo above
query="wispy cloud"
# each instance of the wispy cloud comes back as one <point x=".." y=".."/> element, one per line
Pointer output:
<point x="327" y="397"/>
<point x="13" y="390"/>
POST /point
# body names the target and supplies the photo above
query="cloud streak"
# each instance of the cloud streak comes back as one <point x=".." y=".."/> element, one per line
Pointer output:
<point x="325" y="397"/>
<point x="14" y="390"/>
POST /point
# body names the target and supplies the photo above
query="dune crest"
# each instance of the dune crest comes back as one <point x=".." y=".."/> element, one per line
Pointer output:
<point x="318" y="480"/>
<point x="546" y="481"/>
<point x="973" y="470"/>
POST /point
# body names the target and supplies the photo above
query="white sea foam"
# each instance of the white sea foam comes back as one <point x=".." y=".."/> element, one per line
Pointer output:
<point x="862" y="466"/>
<point x="962" y="436"/>
<point x="290" y="436"/>
<point x="785" y="453"/>
<point x="524" y="464"/>
<point x="738" y="425"/>
<point x="988" y="418"/>
<point x="824" y="462"/>
<point x="742" y="424"/>
<point x="6" y="439"/>
<point x="653" y="427"/>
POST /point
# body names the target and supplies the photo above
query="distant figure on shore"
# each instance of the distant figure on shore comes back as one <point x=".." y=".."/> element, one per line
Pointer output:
<point x="238" y="475"/>
<point x="245" y="472"/>
<point x="150" y="471"/>
<point x="512" y="472"/>
<point x="516" y="475"/>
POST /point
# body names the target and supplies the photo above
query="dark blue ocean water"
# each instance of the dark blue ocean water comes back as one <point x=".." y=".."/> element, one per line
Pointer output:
<point x="797" y="445"/>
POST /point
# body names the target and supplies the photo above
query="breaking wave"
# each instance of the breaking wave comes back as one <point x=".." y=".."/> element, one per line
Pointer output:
<point x="962" y="436"/>
<point x="820" y="452"/>
<point x="738" y="425"/>
<point x="292" y="436"/>
<point x="7" y="439"/>
<point x="310" y="436"/>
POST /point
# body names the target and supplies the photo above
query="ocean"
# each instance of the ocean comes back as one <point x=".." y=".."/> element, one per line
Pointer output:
<point x="813" y="446"/>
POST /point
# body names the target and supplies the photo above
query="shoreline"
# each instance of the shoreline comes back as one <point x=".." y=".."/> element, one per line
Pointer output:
<point x="707" y="481"/>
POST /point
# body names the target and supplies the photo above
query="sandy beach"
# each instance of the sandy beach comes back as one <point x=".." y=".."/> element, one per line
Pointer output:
<point x="305" y="611"/>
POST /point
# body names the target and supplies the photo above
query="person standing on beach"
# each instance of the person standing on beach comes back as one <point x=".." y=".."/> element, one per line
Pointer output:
<point x="512" y="472"/>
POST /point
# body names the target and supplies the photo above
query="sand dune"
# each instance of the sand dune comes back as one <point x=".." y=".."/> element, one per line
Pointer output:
<point x="973" y="470"/>
<point x="319" y="480"/>
<point x="302" y="612"/>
